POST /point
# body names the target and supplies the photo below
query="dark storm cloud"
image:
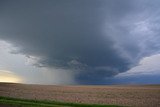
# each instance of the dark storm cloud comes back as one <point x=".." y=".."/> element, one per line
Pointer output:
<point x="70" y="34"/>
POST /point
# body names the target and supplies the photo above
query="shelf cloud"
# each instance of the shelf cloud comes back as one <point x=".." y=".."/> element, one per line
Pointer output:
<point x="90" y="40"/>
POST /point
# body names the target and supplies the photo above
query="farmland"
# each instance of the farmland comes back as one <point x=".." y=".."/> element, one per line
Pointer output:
<point x="14" y="102"/>
<point x="129" y="95"/>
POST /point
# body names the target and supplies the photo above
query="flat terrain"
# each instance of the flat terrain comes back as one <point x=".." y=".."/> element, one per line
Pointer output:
<point x="15" y="102"/>
<point x="133" y="95"/>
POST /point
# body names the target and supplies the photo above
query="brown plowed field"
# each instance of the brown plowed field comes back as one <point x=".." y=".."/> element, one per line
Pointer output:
<point x="133" y="95"/>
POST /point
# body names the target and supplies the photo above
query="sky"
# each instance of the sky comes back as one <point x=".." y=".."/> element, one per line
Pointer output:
<point x="91" y="42"/>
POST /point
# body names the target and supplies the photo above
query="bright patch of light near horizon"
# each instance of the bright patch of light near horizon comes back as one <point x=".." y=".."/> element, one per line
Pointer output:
<point x="8" y="76"/>
<point x="26" y="68"/>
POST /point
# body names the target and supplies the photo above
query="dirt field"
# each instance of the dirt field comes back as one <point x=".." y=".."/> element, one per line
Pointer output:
<point x="136" y="96"/>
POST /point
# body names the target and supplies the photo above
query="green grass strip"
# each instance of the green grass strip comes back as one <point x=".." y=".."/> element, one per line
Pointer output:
<point x="40" y="103"/>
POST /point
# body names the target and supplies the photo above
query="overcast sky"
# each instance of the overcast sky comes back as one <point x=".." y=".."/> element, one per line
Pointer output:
<point x="80" y="41"/>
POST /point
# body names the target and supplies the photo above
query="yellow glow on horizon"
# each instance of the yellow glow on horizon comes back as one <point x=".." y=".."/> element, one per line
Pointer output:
<point x="8" y="76"/>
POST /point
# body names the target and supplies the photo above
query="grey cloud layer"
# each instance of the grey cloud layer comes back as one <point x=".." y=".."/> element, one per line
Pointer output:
<point x="95" y="38"/>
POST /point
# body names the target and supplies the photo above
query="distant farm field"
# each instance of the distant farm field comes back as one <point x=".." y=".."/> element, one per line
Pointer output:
<point x="133" y="95"/>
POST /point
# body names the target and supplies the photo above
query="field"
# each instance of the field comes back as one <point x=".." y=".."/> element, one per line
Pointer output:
<point x="12" y="102"/>
<point x="131" y="95"/>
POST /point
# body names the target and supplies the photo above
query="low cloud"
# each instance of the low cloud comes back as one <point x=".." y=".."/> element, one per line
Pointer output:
<point x="88" y="40"/>
<point x="146" y="72"/>
<point x="19" y="68"/>
<point x="147" y="66"/>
